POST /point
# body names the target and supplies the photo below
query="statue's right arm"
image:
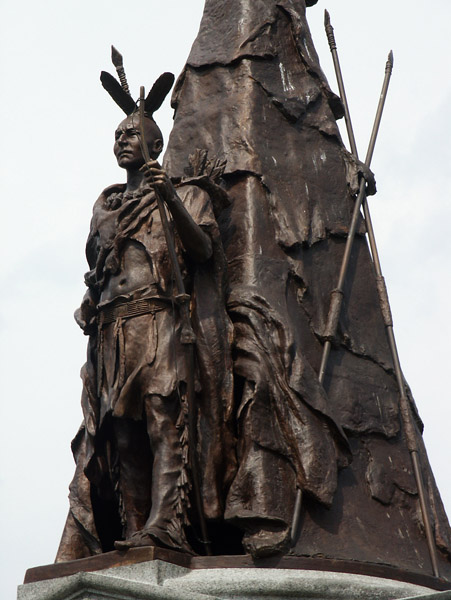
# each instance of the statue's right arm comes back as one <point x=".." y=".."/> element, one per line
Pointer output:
<point x="194" y="240"/>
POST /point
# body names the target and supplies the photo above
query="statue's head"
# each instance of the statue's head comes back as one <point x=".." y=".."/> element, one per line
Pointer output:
<point x="127" y="144"/>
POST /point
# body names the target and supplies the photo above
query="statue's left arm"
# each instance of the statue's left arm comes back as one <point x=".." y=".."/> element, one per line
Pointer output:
<point x="195" y="241"/>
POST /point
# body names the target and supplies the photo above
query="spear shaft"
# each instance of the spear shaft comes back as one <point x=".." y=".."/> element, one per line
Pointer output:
<point x="341" y="87"/>
<point x="337" y="293"/>
<point x="406" y="413"/>
<point x="187" y="338"/>
<point x="336" y="299"/>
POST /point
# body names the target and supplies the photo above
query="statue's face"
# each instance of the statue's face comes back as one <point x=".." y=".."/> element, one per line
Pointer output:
<point x="127" y="148"/>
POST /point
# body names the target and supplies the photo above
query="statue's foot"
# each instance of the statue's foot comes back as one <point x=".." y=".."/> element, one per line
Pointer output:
<point x="137" y="540"/>
<point x="153" y="537"/>
<point x="265" y="542"/>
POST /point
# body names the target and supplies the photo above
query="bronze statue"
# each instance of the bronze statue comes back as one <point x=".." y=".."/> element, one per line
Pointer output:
<point x="260" y="237"/>
<point x="134" y="441"/>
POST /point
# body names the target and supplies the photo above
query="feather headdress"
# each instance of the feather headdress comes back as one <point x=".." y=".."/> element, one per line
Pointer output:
<point x="120" y="91"/>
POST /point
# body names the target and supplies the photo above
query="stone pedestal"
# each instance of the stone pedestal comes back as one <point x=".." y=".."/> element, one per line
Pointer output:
<point x="158" y="579"/>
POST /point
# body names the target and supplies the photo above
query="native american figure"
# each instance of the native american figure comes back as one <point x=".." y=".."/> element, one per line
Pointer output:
<point x="259" y="238"/>
<point x="133" y="481"/>
<point x="253" y="92"/>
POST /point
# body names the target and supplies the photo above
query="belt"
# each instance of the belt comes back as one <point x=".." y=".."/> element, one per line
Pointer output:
<point x="132" y="308"/>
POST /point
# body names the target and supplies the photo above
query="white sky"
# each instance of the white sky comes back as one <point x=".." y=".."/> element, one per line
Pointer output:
<point x="56" y="156"/>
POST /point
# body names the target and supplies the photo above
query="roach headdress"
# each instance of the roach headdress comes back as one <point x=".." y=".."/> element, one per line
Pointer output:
<point x="120" y="91"/>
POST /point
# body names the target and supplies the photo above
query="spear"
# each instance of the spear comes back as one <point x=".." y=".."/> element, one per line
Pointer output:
<point x="406" y="413"/>
<point x="336" y="298"/>
<point x="187" y="336"/>
<point x="118" y="62"/>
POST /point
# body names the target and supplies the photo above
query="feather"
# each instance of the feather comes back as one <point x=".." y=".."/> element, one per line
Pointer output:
<point x="158" y="93"/>
<point x="113" y="87"/>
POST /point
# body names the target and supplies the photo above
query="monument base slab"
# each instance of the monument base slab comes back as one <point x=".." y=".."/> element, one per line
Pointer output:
<point x="157" y="579"/>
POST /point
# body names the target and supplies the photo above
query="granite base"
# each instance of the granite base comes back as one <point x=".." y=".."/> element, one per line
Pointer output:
<point x="160" y="580"/>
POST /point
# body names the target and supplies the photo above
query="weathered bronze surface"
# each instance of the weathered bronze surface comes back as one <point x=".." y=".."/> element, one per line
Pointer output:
<point x="260" y="232"/>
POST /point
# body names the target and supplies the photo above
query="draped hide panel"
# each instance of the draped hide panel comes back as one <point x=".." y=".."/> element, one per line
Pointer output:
<point x="253" y="93"/>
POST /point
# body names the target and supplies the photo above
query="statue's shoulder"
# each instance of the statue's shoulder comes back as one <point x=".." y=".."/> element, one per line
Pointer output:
<point x="108" y="199"/>
<point x="105" y="196"/>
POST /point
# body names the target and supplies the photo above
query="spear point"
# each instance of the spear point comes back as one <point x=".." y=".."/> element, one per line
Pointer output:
<point x="390" y="63"/>
<point x="118" y="62"/>
<point x="326" y="18"/>
<point x="116" y="57"/>
<point x="329" y="31"/>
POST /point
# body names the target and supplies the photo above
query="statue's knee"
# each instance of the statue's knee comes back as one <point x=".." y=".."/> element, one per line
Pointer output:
<point x="161" y="415"/>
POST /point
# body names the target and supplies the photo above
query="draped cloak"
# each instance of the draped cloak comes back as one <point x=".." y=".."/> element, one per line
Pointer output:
<point x="253" y="92"/>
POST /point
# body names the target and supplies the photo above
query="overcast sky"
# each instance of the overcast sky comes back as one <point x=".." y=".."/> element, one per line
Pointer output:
<point x="56" y="157"/>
